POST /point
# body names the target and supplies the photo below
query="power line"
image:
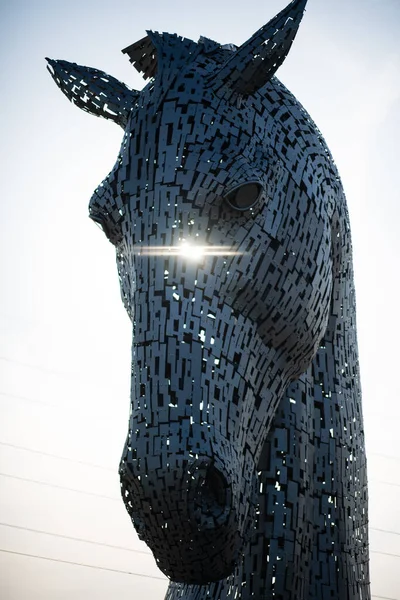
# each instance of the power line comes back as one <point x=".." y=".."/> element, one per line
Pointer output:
<point x="384" y="553"/>
<point x="69" y="408"/>
<point x="38" y="482"/>
<point x="383" y="455"/>
<point x="75" y="539"/>
<point x="64" y="407"/>
<point x="76" y="491"/>
<point x="59" y="487"/>
<point x="63" y="374"/>
<point x="70" y="562"/>
<point x="50" y="454"/>
<point x="386" y="483"/>
<point x="37" y="367"/>
<point x="384" y="530"/>
<point x="27" y="399"/>
<point x="77" y="376"/>
<point x="86" y="541"/>
<point x="96" y="466"/>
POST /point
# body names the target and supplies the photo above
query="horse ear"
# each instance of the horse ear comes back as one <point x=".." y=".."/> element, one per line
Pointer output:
<point x="93" y="91"/>
<point x="257" y="60"/>
<point x="143" y="56"/>
<point x="161" y="53"/>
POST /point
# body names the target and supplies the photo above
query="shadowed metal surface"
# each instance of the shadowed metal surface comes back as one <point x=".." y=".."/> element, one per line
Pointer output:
<point x="244" y="465"/>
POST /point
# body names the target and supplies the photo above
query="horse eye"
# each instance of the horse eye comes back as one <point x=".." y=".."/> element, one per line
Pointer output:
<point x="244" y="197"/>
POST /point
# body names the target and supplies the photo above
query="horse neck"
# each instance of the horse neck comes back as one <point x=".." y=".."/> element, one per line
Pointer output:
<point x="310" y="537"/>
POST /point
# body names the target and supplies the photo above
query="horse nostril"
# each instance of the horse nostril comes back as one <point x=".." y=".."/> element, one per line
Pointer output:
<point x="212" y="490"/>
<point x="209" y="493"/>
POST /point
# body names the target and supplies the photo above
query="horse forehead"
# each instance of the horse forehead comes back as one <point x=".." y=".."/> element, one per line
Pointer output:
<point x="198" y="120"/>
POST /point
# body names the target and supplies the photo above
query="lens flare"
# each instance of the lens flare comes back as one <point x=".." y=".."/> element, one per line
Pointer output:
<point x="193" y="252"/>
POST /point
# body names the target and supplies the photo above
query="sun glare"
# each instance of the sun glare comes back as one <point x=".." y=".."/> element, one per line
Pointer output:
<point x="192" y="252"/>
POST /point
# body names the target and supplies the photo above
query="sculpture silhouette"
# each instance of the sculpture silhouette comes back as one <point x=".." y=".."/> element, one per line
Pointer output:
<point x="244" y="467"/>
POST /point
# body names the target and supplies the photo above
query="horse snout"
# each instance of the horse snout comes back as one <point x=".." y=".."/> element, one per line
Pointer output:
<point x="187" y="515"/>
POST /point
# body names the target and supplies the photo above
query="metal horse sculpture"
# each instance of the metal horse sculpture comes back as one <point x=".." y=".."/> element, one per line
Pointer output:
<point x="244" y="466"/>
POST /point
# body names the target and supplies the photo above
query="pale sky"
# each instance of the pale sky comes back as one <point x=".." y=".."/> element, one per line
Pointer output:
<point x="65" y="338"/>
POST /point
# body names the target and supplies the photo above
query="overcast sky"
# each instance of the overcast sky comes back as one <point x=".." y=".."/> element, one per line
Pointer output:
<point x="65" y="339"/>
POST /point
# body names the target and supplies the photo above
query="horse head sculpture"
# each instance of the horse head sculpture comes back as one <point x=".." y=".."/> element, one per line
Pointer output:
<point x="243" y="468"/>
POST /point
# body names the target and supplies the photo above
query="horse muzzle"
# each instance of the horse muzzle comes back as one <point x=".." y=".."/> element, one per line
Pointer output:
<point x="188" y="516"/>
